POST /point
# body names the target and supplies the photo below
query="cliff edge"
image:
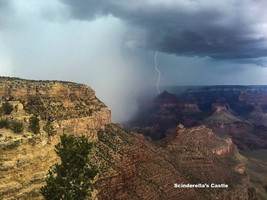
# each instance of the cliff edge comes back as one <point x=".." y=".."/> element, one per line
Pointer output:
<point x="25" y="157"/>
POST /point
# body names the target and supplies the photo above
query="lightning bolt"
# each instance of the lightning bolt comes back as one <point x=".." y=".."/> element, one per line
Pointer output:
<point x="156" y="68"/>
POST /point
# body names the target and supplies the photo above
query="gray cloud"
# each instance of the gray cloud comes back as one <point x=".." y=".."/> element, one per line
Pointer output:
<point x="219" y="29"/>
<point x="4" y="5"/>
<point x="105" y="44"/>
<point x="5" y="8"/>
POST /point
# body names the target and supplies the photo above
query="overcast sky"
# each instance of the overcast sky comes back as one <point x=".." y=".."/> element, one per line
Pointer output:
<point x="110" y="44"/>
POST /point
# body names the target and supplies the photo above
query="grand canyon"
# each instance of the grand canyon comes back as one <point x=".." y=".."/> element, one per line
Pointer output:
<point x="204" y="136"/>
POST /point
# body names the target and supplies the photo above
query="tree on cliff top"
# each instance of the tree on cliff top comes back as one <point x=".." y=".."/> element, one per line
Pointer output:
<point x="72" y="179"/>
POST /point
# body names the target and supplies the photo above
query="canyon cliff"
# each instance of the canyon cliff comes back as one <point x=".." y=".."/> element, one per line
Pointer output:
<point x="234" y="113"/>
<point x="130" y="165"/>
<point x="26" y="157"/>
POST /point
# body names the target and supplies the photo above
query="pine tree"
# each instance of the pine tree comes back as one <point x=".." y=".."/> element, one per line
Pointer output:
<point x="72" y="179"/>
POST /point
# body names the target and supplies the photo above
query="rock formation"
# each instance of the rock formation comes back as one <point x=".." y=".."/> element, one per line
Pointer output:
<point x="131" y="167"/>
<point x="25" y="158"/>
<point x="231" y="111"/>
<point x="134" y="168"/>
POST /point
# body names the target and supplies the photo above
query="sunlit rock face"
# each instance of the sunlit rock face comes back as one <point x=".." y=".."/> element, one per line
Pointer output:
<point x="25" y="158"/>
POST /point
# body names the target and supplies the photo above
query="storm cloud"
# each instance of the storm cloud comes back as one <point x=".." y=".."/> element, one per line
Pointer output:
<point x="230" y="29"/>
<point x="5" y="9"/>
<point x="110" y="45"/>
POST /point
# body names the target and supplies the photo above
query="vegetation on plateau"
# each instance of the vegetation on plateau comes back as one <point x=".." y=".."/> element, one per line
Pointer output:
<point x="7" y="108"/>
<point x="34" y="124"/>
<point x="15" y="126"/>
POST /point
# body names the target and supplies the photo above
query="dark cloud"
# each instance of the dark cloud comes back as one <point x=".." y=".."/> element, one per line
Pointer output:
<point x="4" y="4"/>
<point x="219" y="29"/>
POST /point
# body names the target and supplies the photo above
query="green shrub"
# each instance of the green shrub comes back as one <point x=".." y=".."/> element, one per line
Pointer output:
<point x="16" y="126"/>
<point x="34" y="124"/>
<point x="7" y="108"/>
<point x="13" y="145"/>
<point x="4" y="123"/>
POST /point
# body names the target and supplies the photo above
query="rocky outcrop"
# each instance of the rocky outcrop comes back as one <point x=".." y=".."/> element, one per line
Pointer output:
<point x="221" y="115"/>
<point x="152" y="172"/>
<point x="189" y="107"/>
<point x="11" y="88"/>
<point x="73" y="107"/>
<point x="252" y="97"/>
<point x="166" y="98"/>
<point x="258" y="116"/>
<point x="25" y="162"/>
<point x="55" y="100"/>
<point x="85" y="125"/>
<point x="25" y="158"/>
<point x="228" y="149"/>
<point x="163" y="112"/>
<point x="205" y="136"/>
<point x="231" y="111"/>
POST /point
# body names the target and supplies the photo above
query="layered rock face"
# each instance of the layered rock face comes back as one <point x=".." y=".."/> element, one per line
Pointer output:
<point x="254" y="96"/>
<point x="74" y="107"/>
<point x="54" y="99"/>
<point x="25" y="157"/>
<point x="239" y="112"/>
<point x="25" y="162"/>
<point x="164" y="111"/>
<point x="236" y="112"/>
<point x="133" y="168"/>
<point x="221" y="116"/>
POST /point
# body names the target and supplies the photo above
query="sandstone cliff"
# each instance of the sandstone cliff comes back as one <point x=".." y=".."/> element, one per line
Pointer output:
<point x="26" y="157"/>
